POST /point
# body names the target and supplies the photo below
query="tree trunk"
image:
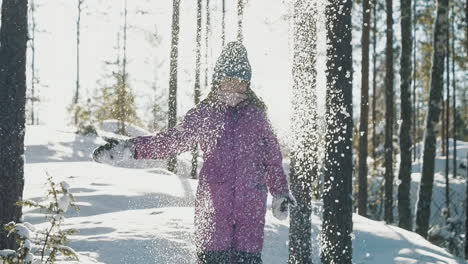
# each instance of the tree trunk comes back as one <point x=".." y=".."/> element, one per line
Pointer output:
<point x="207" y="41"/>
<point x="404" y="208"/>
<point x="122" y="89"/>
<point x="435" y="100"/>
<point x="77" y="89"/>
<point x="304" y="151"/>
<point x="363" y="124"/>
<point x="388" y="213"/>
<point x="197" y="91"/>
<point x="374" y="83"/>
<point x="447" y="125"/>
<point x="13" y="40"/>
<point x="413" y="51"/>
<point x="240" y="14"/>
<point x="337" y="204"/>
<point x="223" y="23"/>
<point x="466" y="208"/>
<point x="454" y="87"/>
<point x="33" y="62"/>
<point x="172" y="116"/>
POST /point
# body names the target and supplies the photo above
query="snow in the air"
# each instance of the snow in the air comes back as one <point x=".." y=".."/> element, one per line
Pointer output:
<point x="146" y="215"/>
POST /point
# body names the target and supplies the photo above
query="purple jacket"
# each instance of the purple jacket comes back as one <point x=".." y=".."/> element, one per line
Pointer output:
<point x="242" y="159"/>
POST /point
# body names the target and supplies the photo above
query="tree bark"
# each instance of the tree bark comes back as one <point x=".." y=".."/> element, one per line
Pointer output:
<point x="337" y="204"/>
<point x="454" y="87"/>
<point x="374" y="83"/>
<point x="197" y="90"/>
<point x="466" y="210"/>
<point x="404" y="207"/>
<point x="77" y="88"/>
<point x="447" y="125"/>
<point x="304" y="150"/>
<point x="122" y="88"/>
<point x="172" y="101"/>
<point x="414" y="45"/>
<point x="363" y="124"/>
<point x="240" y="15"/>
<point x="33" y="62"/>
<point x="435" y="100"/>
<point x="223" y="23"/>
<point x="13" y="40"/>
<point x="388" y="213"/>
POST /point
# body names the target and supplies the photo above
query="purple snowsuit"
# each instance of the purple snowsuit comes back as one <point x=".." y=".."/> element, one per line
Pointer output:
<point x="241" y="159"/>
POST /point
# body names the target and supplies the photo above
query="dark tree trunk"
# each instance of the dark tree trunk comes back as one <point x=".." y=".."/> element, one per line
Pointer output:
<point x="240" y="14"/>
<point x="404" y="208"/>
<point x="304" y="151"/>
<point x="415" y="142"/>
<point x="337" y="204"/>
<point x="197" y="91"/>
<point x="374" y="83"/>
<point x="442" y="133"/>
<point x="447" y="125"/>
<point x="13" y="40"/>
<point x="172" y="116"/>
<point x="388" y="213"/>
<point x="435" y="99"/>
<point x="363" y="124"/>
<point x="466" y="209"/>
<point x="454" y="87"/>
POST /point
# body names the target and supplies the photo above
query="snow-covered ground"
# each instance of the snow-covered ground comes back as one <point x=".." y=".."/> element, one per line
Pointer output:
<point x="146" y="215"/>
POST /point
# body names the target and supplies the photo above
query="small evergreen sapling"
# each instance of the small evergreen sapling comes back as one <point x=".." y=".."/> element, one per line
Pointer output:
<point x="50" y="242"/>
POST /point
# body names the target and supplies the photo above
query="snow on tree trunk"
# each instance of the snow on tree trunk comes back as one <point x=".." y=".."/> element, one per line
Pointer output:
<point x="404" y="175"/>
<point x="388" y="163"/>
<point x="364" y="120"/>
<point x="337" y="223"/>
<point x="304" y="149"/>
<point x="172" y="102"/>
<point x="435" y="99"/>
<point x="13" y="39"/>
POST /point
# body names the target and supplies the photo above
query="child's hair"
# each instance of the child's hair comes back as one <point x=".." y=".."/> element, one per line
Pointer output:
<point x="251" y="95"/>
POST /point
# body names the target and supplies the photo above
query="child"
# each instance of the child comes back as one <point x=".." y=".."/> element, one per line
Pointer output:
<point x="242" y="161"/>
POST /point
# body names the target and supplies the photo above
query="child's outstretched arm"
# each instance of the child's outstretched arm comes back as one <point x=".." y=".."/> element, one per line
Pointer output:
<point x="170" y="142"/>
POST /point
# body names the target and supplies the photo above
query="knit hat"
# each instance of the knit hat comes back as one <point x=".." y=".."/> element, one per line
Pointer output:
<point x="232" y="62"/>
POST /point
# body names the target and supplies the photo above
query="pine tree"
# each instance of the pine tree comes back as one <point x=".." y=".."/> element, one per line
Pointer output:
<point x="337" y="205"/>
<point x="388" y="213"/>
<point x="404" y="175"/>
<point x="13" y="41"/>
<point x="172" y="101"/>
<point x="363" y="124"/>
<point x="434" y="105"/>
<point x="304" y="149"/>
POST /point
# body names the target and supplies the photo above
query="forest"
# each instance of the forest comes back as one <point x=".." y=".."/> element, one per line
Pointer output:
<point x="365" y="100"/>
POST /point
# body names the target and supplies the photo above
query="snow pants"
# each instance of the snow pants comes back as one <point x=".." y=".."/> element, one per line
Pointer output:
<point x="229" y="257"/>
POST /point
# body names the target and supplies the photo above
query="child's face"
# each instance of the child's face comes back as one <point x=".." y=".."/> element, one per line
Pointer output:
<point x="232" y="91"/>
<point x="233" y="84"/>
